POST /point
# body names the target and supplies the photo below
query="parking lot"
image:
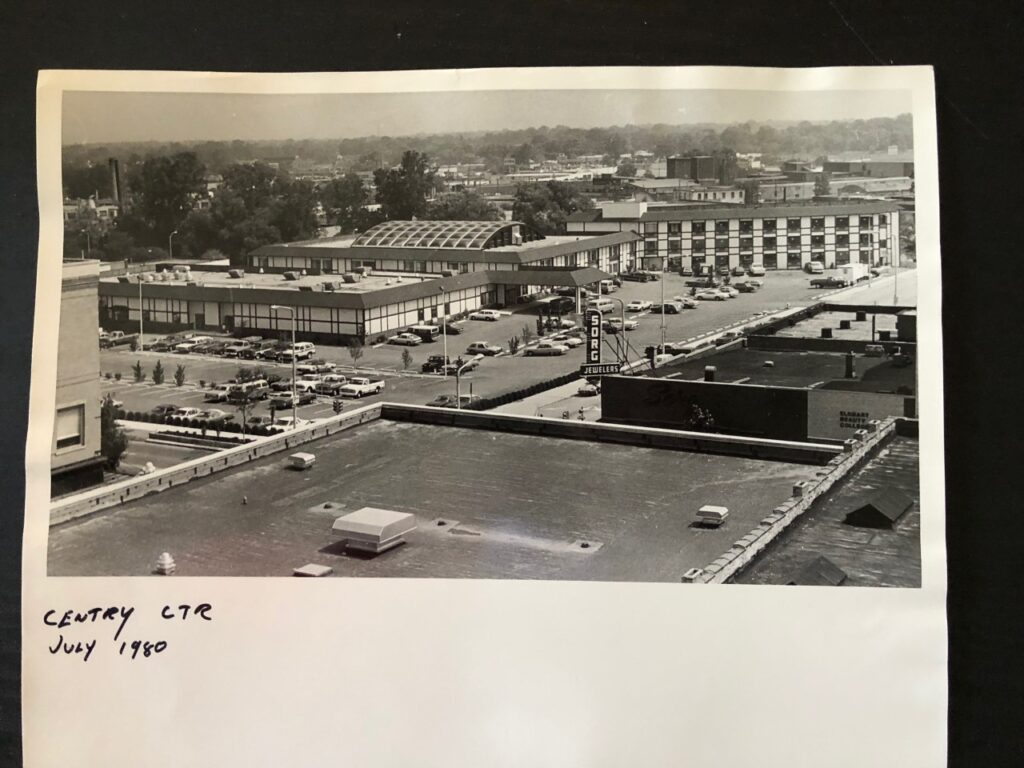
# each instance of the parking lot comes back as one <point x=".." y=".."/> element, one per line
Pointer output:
<point x="494" y="374"/>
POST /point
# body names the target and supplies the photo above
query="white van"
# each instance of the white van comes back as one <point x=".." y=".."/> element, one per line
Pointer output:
<point x="257" y="389"/>
<point x="601" y="305"/>
<point x="303" y="350"/>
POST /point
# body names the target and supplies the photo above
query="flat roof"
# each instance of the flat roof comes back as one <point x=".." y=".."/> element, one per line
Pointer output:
<point x="513" y="506"/>
<point x="794" y="369"/>
<point x="868" y="557"/>
<point x="772" y="211"/>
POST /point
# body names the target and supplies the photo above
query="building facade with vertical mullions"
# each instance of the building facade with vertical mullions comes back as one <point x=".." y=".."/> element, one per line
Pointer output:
<point x="769" y="236"/>
<point x="76" y="461"/>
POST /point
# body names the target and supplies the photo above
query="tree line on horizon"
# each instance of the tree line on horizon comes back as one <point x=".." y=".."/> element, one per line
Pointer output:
<point x="805" y="139"/>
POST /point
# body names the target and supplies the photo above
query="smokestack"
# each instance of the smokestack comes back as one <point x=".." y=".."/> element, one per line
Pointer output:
<point x="115" y="179"/>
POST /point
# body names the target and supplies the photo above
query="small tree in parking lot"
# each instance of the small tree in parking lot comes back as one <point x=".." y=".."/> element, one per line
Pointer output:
<point x="138" y="372"/>
<point x="526" y="335"/>
<point x="355" y="350"/>
<point x="179" y="375"/>
<point x="158" y="373"/>
<point x="406" y="359"/>
<point x="113" y="440"/>
<point x="513" y="345"/>
<point x="249" y="374"/>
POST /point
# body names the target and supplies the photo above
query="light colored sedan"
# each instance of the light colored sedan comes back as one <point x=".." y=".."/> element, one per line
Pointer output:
<point x="486" y="314"/>
<point x="546" y="348"/>
<point x="567" y="340"/>
<point x="638" y="306"/>
<point x="711" y="296"/>
<point x="215" y="414"/>
<point x="405" y="340"/>
<point x="729" y="291"/>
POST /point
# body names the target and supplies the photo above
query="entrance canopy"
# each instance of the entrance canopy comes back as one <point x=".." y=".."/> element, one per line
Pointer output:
<point x="551" y="277"/>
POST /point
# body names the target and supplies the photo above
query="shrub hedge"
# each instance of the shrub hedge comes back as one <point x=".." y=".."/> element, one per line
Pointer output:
<point x="176" y="421"/>
<point x="504" y="398"/>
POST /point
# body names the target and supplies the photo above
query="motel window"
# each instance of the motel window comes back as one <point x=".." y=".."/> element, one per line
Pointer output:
<point x="721" y="227"/>
<point x="818" y="223"/>
<point x="842" y="240"/>
<point x="769" y="225"/>
<point x="865" y="221"/>
<point x="769" y="243"/>
<point x="793" y="241"/>
<point x="650" y="246"/>
<point x="865" y="238"/>
<point x="675" y="227"/>
<point x="793" y="259"/>
<point x="650" y="227"/>
<point x="70" y="426"/>
<point x="842" y="222"/>
<point x="698" y="246"/>
<point x="792" y="223"/>
<point x="746" y="225"/>
<point x="817" y="241"/>
<point x="882" y="219"/>
<point x="453" y="266"/>
<point x="699" y="227"/>
<point x="722" y="244"/>
<point x="746" y="243"/>
<point x="673" y="246"/>
<point x="842" y="257"/>
<point x="883" y="243"/>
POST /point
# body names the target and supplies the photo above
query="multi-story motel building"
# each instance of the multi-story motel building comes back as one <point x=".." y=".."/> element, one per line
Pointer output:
<point x="75" y="460"/>
<point x="774" y="237"/>
<point x="387" y="278"/>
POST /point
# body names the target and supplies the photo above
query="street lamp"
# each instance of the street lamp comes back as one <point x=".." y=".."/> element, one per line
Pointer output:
<point x="142" y="346"/>
<point x="458" y="379"/>
<point x="295" y="394"/>
<point x="170" y="244"/>
<point x="444" y="328"/>
<point x="622" y="320"/>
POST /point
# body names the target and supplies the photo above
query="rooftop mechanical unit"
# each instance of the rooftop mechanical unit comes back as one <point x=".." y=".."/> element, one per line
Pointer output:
<point x="236" y="273"/>
<point x="291" y="275"/>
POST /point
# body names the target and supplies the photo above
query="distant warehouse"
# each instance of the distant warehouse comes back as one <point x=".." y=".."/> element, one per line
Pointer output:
<point x="769" y="236"/>
<point x="394" y="275"/>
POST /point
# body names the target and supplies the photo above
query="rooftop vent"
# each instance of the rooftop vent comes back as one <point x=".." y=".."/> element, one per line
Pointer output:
<point x="350" y="277"/>
<point x="237" y="273"/>
<point x="291" y="275"/>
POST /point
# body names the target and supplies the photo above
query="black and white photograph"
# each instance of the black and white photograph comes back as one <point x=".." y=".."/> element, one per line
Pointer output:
<point x="443" y="417"/>
<point x="635" y="335"/>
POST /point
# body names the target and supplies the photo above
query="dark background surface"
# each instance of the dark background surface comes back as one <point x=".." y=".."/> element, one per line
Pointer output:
<point x="975" y="48"/>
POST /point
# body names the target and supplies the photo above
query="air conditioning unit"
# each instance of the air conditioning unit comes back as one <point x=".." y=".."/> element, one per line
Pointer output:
<point x="123" y="279"/>
<point x="306" y="287"/>
<point x="236" y="273"/>
<point x="350" y="277"/>
<point x="447" y="273"/>
<point x="291" y="275"/>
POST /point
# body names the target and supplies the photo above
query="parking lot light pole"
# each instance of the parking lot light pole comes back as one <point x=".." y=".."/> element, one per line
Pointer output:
<point x="170" y="244"/>
<point x="662" y="307"/>
<point x="295" y="392"/>
<point x="622" y="320"/>
<point x="458" y="379"/>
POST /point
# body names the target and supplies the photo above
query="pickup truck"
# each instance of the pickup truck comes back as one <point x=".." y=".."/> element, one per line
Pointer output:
<point x="359" y="387"/>
<point x="828" y="282"/>
<point x="435" y="364"/>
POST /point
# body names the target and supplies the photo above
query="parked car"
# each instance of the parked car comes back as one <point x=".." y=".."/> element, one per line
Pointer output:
<point x="670" y="307"/>
<point x="453" y="329"/>
<point x="755" y="283"/>
<point x="729" y="291"/>
<point x="483" y="348"/>
<point x="405" y="340"/>
<point x="165" y="409"/>
<point x="284" y="400"/>
<point x="303" y="350"/>
<point x="259" y="421"/>
<point x="450" y="401"/>
<point x="287" y="422"/>
<point x="215" y="414"/>
<point x="218" y="394"/>
<point x="756" y="271"/>
<point x="738" y="271"/>
<point x="315" y="367"/>
<point x="744" y="287"/>
<point x="618" y="324"/>
<point x="568" y="340"/>
<point x="686" y="302"/>
<point x="723" y="271"/>
<point x="490" y="315"/>
<point x="435" y="364"/>
<point x="638" y="306"/>
<point x="638" y="277"/>
<point x="186" y="413"/>
<point x="814" y="267"/>
<point x="272" y="352"/>
<point x="189" y="345"/>
<point x="711" y="296"/>
<point x="330" y="388"/>
<point x="588" y="390"/>
<point x="166" y="345"/>
<point x="546" y="348"/>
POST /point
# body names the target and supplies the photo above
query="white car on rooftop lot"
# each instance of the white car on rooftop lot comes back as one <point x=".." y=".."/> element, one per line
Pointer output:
<point x="638" y="306"/>
<point x="486" y="314"/>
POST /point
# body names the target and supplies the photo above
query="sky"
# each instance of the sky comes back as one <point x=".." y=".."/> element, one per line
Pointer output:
<point x="91" y="117"/>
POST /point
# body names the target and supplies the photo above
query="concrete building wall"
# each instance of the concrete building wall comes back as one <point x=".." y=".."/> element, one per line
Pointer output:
<point x="76" y="437"/>
<point x="836" y="414"/>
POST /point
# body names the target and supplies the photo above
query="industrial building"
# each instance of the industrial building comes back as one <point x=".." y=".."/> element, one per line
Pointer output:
<point x="769" y="236"/>
<point x="387" y="278"/>
<point x="76" y="461"/>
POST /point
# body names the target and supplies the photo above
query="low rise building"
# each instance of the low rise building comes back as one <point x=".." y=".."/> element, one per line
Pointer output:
<point x="393" y="275"/>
